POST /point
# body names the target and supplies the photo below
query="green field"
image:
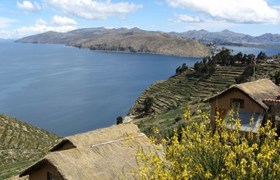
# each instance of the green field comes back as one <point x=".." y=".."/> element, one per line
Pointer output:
<point x="21" y="145"/>
<point x="170" y="97"/>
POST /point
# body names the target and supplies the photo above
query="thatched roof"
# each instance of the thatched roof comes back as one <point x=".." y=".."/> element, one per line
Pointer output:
<point x="256" y="90"/>
<point x="86" y="140"/>
<point x="107" y="153"/>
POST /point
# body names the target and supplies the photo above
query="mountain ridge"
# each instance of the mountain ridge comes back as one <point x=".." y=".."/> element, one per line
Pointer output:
<point x="132" y="40"/>
<point x="227" y="36"/>
<point x="135" y="40"/>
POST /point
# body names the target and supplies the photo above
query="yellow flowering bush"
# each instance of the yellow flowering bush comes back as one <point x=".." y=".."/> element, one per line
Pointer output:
<point x="199" y="153"/>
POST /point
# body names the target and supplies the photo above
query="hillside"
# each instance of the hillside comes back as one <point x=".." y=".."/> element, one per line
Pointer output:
<point x="228" y="37"/>
<point x="124" y="40"/>
<point x="21" y="144"/>
<point x="52" y="37"/>
<point x="144" y="42"/>
<point x="186" y="87"/>
<point x="171" y="96"/>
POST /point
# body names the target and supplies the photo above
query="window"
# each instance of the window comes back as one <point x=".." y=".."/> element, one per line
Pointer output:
<point x="250" y="121"/>
<point x="237" y="103"/>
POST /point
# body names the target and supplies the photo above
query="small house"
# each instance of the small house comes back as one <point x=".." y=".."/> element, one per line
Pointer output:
<point x="248" y="100"/>
<point x="108" y="153"/>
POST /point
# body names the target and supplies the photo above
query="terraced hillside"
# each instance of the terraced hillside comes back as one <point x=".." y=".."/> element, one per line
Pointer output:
<point x="171" y="96"/>
<point x="21" y="144"/>
<point x="186" y="87"/>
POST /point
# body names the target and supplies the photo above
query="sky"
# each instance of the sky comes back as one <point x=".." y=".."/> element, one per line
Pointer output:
<point x="19" y="18"/>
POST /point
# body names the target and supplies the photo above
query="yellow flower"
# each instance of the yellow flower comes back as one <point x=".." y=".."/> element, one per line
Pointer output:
<point x="208" y="175"/>
<point x="226" y="154"/>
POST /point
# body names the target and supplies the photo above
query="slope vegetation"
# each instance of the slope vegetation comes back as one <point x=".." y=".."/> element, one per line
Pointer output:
<point x="21" y="144"/>
<point x="178" y="90"/>
<point x="171" y="96"/>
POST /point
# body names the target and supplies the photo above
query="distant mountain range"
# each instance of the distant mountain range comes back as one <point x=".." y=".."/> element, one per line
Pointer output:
<point x="124" y="40"/>
<point x="190" y="43"/>
<point x="228" y="37"/>
<point x="5" y="40"/>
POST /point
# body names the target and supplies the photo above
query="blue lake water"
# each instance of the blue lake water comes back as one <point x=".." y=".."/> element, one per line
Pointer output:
<point x="254" y="50"/>
<point x="67" y="90"/>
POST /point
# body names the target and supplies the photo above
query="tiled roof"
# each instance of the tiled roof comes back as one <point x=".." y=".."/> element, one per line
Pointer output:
<point x="272" y="100"/>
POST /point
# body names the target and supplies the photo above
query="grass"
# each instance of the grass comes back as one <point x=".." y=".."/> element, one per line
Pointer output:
<point x="172" y="95"/>
<point x="21" y="145"/>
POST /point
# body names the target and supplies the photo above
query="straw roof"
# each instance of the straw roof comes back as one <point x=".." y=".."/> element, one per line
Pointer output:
<point x="85" y="140"/>
<point x="107" y="153"/>
<point x="256" y="90"/>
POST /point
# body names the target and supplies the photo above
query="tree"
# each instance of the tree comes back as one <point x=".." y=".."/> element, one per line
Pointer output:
<point x="250" y="58"/>
<point x="247" y="73"/>
<point x="238" y="56"/>
<point x="276" y="77"/>
<point x="148" y="103"/>
<point x="211" y="70"/>
<point x="181" y="69"/>
<point x="261" y="56"/>
<point x="119" y="120"/>
<point x="198" y="66"/>
<point x="223" y="154"/>
<point x="178" y="70"/>
<point x="223" y="57"/>
<point x="244" y="59"/>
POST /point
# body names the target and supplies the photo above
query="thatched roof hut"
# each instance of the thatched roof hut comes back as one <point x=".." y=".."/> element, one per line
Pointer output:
<point x="107" y="153"/>
<point x="249" y="100"/>
<point x="258" y="91"/>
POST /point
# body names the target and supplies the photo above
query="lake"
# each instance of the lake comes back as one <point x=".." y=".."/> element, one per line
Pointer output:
<point x="255" y="50"/>
<point x="67" y="90"/>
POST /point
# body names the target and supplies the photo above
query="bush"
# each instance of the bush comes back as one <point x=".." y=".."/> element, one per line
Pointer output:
<point x="181" y="69"/>
<point x="119" y="120"/>
<point x="223" y="154"/>
<point x="247" y="73"/>
<point x="178" y="118"/>
<point x="148" y="104"/>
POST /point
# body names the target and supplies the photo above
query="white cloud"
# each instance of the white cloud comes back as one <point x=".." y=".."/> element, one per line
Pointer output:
<point x="6" y="34"/>
<point x="94" y="9"/>
<point x="59" y="20"/>
<point x="29" y="6"/>
<point x="5" y="22"/>
<point x="57" y="23"/>
<point x="187" y="18"/>
<point x="237" y="11"/>
<point x="40" y="22"/>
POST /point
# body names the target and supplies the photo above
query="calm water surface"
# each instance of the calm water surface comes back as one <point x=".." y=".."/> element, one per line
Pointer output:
<point x="66" y="90"/>
<point x="254" y="50"/>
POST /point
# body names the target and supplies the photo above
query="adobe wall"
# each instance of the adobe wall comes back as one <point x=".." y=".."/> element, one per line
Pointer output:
<point x="224" y="103"/>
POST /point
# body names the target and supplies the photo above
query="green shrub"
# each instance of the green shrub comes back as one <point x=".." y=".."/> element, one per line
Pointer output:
<point x="199" y="153"/>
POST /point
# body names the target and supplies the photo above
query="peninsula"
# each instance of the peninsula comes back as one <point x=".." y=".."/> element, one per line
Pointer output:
<point x="132" y="40"/>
